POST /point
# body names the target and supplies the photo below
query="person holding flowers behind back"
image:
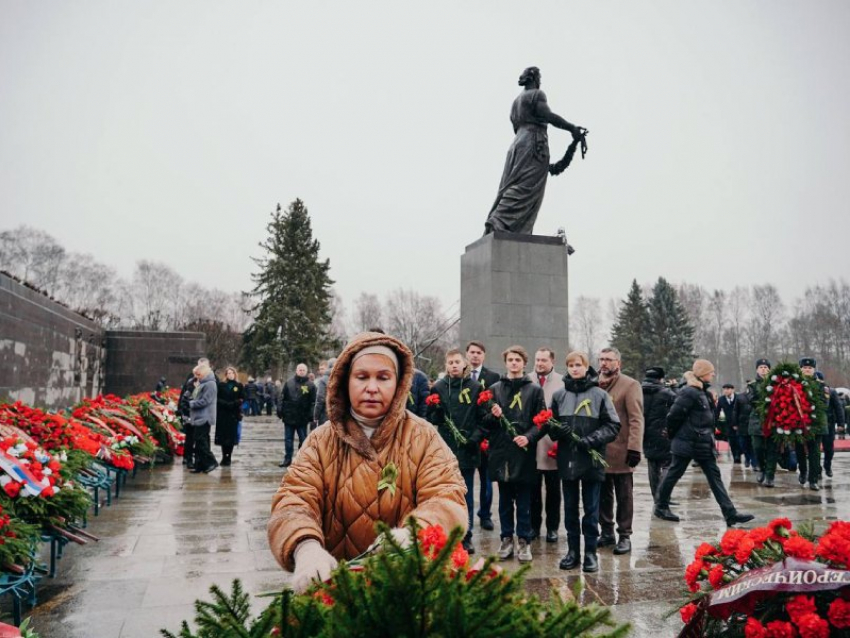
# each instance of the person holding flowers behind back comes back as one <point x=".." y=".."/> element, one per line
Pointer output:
<point x="690" y="424"/>
<point x="586" y="410"/>
<point x="372" y="461"/>
<point x="513" y="403"/>
<point x="453" y="407"/>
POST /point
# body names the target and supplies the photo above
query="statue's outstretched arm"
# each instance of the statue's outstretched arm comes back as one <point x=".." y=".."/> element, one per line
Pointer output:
<point x="554" y="119"/>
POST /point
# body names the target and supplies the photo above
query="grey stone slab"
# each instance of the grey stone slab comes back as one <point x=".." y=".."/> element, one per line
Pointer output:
<point x="108" y="589"/>
<point x="514" y="289"/>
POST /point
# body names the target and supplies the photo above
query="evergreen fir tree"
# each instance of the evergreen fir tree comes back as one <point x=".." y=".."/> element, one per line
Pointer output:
<point x="630" y="334"/>
<point x="671" y="335"/>
<point x="293" y="289"/>
<point x="409" y="592"/>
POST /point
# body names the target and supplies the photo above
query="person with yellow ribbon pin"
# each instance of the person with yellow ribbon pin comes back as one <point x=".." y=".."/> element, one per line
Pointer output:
<point x="512" y="461"/>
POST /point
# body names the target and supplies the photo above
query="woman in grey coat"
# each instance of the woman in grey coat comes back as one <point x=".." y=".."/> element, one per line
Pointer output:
<point x="202" y="416"/>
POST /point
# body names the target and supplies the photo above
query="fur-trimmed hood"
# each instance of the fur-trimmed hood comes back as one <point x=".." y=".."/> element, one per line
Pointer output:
<point x="339" y="404"/>
<point x="692" y="380"/>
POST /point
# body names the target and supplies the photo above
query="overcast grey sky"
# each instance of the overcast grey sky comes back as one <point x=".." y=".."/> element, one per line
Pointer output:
<point x="719" y="134"/>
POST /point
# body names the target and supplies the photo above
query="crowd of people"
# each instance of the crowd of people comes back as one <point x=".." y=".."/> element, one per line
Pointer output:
<point x="555" y="447"/>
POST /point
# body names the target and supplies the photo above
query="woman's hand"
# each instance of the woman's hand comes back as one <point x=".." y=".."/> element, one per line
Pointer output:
<point x="496" y="411"/>
<point x="521" y="440"/>
<point x="312" y="562"/>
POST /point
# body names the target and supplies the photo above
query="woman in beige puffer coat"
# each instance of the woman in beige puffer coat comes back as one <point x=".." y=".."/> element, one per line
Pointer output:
<point x="329" y="499"/>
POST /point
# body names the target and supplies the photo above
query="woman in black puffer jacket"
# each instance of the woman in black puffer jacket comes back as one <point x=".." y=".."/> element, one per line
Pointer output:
<point x="690" y="423"/>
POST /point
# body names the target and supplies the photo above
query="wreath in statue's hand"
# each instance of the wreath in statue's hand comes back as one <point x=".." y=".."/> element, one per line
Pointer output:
<point x="579" y="137"/>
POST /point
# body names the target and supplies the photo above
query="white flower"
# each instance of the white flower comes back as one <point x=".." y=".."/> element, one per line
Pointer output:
<point x="795" y="375"/>
<point x="767" y="400"/>
<point x="63" y="457"/>
<point x="785" y="373"/>
<point x="47" y="471"/>
<point x="769" y="388"/>
<point x="774" y="378"/>
<point x="5" y="479"/>
<point x="798" y="431"/>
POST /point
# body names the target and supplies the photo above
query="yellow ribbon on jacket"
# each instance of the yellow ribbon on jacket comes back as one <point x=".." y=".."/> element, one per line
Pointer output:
<point x="410" y="398"/>
<point x="586" y="405"/>
<point x="516" y="402"/>
<point x="464" y="396"/>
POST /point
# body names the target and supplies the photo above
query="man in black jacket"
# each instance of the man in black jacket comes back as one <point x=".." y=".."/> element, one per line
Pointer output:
<point x="512" y="453"/>
<point x="475" y="355"/>
<point x="657" y="401"/>
<point x="724" y="416"/>
<point x="691" y="425"/>
<point x="454" y="410"/>
<point x="252" y="396"/>
<point x="835" y="417"/>
<point x="297" y="400"/>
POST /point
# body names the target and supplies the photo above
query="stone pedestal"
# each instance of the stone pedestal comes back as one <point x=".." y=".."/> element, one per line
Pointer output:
<point x="514" y="290"/>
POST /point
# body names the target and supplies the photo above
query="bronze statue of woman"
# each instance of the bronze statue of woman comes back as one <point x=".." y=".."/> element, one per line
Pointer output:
<point x="527" y="165"/>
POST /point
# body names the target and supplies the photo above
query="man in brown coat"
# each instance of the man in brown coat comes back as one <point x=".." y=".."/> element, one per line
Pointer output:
<point x="622" y="455"/>
<point x="545" y="376"/>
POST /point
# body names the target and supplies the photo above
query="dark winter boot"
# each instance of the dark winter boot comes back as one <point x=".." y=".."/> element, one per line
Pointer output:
<point x="571" y="560"/>
<point x="591" y="563"/>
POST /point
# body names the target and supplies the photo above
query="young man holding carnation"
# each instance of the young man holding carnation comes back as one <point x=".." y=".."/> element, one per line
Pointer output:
<point x="453" y="407"/>
<point x="586" y="411"/>
<point x="513" y="435"/>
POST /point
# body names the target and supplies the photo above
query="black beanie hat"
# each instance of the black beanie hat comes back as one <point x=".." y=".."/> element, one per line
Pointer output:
<point x="763" y="362"/>
<point x="655" y="372"/>
<point x="808" y="361"/>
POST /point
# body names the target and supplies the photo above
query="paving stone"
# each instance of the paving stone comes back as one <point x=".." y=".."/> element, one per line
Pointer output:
<point x="172" y="534"/>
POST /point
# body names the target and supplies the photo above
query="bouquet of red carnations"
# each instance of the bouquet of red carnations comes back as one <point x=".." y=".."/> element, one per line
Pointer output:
<point x="771" y="582"/>
<point x="793" y="409"/>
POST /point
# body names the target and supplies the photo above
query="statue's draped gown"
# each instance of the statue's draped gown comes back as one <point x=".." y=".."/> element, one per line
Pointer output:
<point x="526" y="167"/>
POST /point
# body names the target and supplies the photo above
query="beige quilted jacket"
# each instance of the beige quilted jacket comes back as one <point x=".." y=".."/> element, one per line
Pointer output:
<point x="330" y="492"/>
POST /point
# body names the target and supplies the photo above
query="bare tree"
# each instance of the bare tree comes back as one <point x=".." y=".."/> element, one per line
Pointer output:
<point x="33" y="256"/>
<point x="367" y="312"/>
<point x="766" y="313"/>
<point x="738" y="304"/>
<point x="586" y="324"/>
<point x="155" y="288"/>
<point x="412" y="317"/>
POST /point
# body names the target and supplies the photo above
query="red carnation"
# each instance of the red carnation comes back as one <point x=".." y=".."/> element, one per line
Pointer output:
<point x="687" y="612"/>
<point x="800" y="606"/>
<point x="760" y="535"/>
<point x="705" y="549"/>
<point x="459" y="556"/>
<point x="542" y="417"/>
<point x="839" y="614"/>
<point x="485" y="445"/>
<point x="754" y="629"/>
<point x="485" y="396"/>
<point x="715" y="576"/>
<point x="780" y="629"/>
<point x="744" y="549"/>
<point x="834" y="545"/>
<point x="781" y="527"/>
<point x="553" y="451"/>
<point x="12" y="488"/>
<point x="693" y="573"/>
<point x="799" y="547"/>
<point x="433" y="539"/>
<point x="730" y="540"/>
<point x="432" y="399"/>
<point x="812" y="626"/>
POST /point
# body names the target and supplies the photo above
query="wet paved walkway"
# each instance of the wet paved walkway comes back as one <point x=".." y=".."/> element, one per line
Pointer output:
<point x="173" y="534"/>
